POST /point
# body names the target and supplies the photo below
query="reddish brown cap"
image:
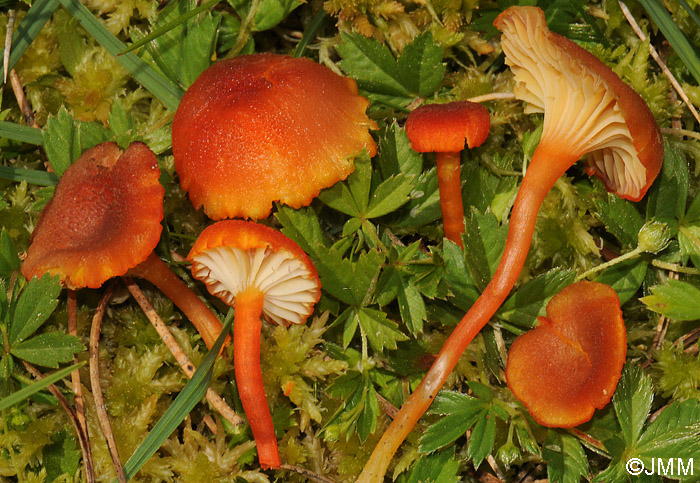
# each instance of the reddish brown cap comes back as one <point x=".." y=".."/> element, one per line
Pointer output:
<point x="588" y="109"/>
<point x="104" y="217"/>
<point x="233" y="255"/>
<point x="261" y="128"/>
<point x="570" y="363"/>
<point x="443" y="128"/>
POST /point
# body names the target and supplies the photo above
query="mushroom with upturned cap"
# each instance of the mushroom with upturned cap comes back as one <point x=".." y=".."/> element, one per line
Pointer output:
<point x="267" y="127"/>
<point x="569" y="365"/>
<point x="104" y="220"/>
<point x="588" y="110"/>
<point x="261" y="273"/>
<point x="443" y="129"/>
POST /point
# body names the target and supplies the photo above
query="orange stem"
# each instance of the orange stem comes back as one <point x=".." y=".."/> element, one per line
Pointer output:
<point x="159" y="274"/>
<point x="450" y="185"/>
<point x="246" y="362"/>
<point x="541" y="176"/>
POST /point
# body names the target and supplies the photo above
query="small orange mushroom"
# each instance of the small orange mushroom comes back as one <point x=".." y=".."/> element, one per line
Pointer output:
<point x="443" y="129"/>
<point x="266" y="127"/>
<point x="569" y="365"/>
<point x="104" y="220"/>
<point x="260" y="272"/>
<point x="589" y="111"/>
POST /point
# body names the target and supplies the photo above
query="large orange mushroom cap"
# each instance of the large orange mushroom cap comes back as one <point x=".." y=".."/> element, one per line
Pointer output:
<point x="569" y="365"/>
<point x="588" y="109"/>
<point x="103" y="219"/>
<point x="266" y="127"/>
<point x="439" y="128"/>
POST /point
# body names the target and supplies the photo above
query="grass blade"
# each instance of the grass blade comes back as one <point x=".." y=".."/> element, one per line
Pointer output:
<point x="25" y="392"/>
<point x="168" y="93"/>
<point x="191" y="394"/>
<point x="310" y="33"/>
<point x="31" y="176"/>
<point x="673" y="34"/>
<point x="39" y="13"/>
<point x="24" y="134"/>
<point x="169" y="26"/>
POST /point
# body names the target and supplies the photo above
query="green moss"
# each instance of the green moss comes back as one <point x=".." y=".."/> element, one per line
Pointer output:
<point x="677" y="373"/>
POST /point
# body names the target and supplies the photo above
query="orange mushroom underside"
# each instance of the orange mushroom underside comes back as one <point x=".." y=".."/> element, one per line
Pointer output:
<point x="569" y="365"/>
<point x="261" y="128"/>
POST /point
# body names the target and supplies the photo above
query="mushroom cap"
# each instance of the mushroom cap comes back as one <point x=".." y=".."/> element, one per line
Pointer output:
<point x="569" y="365"/>
<point x="588" y="109"/>
<point x="266" y="127"/>
<point x="232" y="256"/>
<point x="103" y="219"/>
<point x="443" y="128"/>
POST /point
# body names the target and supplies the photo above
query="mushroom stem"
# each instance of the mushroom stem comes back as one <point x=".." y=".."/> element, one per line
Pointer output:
<point x="450" y="185"/>
<point x="246" y="361"/>
<point x="545" y="168"/>
<point x="159" y="274"/>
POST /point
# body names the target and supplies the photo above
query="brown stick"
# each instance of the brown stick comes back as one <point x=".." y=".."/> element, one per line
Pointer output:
<point x="214" y="399"/>
<point x="22" y="100"/>
<point x="100" y="408"/>
<point x="75" y="375"/>
<point x="82" y="436"/>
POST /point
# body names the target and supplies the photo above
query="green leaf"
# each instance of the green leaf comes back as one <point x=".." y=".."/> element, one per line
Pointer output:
<point x="677" y="299"/>
<point x="367" y="420"/>
<point x="621" y="218"/>
<point x="24" y="134"/>
<point x="675" y="433"/>
<point x="303" y="227"/>
<point x="34" y="388"/>
<point x="529" y="301"/>
<point x="424" y="206"/>
<point x="461" y="412"/>
<point x="668" y="196"/>
<point x="71" y="45"/>
<point x="625" y="278"/>
<point x="411" y="306"/>
<point x="484" y="241"/>
<point x="420" y="65"/>
<point x="272" y="12"/>
<point x="34" y="306"/>
<point x="9" y="260"/>
<point x="348" y="281"/>
<point x="49" y="349"/>
<point x="390" y="195"/>
<point x="61" y="141"/>
<point x="566" y="460"/>
<point x="359" y="410"/>
<point x="183" y="404"/>
<point x="395" y="154"/>
<point x="371" y="64"/>
<point x="381" y="332"/>
<point x="457" y="275"/>
<point x="439" y="467"/>
<point x="632" y="402"/>
<point x="482" y="438"/>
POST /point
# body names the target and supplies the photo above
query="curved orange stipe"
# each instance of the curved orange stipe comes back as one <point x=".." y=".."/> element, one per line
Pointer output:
<point x="569" y="365"/>
<point x="103" y="219"/>
<point x="261" y="128"/>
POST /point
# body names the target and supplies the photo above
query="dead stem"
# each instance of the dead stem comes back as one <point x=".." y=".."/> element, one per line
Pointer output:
<point x="494" y="96"/>
<point x="213" y="398"/>
<point x="82" y="437"/>
<point x="22" y="100"/>
<point x="652" y="51"/>
<point x="8" y="43"/>
<point x="100" y="408"/>
<point x="75" y="375"/>
<point x="307" y="473"/>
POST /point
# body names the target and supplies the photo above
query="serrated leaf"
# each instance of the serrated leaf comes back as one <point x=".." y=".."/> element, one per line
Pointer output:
<point x="667" y="198"/>
<point x="482" y="438"/>
<point x="625" y="278"/>
<point x="689" y="242"/>
<point x="381" y="331"/>
<point x="340" y="198"/>
<point x="272" y="12"/>
<point x="675" y="433"/>
<point x="34" y="306"/>
<point x="49" y="349"/>
<point x="371" y="64"/>
<point x="395" y="154"/>
<point x="367" y="421"/>
<point x="348" y="281"/>
<point x="677" y="299"/>
<point x="303" y="227"/>
<point x="9" y="260"/>
<point x="632" y="402"/>
<point x="411" y="307"/>
<point x="461" y="412"/>
<point x="440" y="467"/>
<point x="530" y="301"/>
<point x="621" y="218"/>
<point x="61" y="141"/>
<point x="420" y="65"/>
<point x="424" y="206"/>
<point x="460" y="282"/>
<point x="484" y="241"/>
<point x="566" y="460"/>
<point x="390" y="195"/>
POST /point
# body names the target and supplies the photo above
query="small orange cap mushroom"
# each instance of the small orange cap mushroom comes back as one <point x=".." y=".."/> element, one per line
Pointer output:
<point x="569" y="365"/>
<point x="440" y="128"/>
<point x="266" y="127"/>
<point x="104" y="217"/>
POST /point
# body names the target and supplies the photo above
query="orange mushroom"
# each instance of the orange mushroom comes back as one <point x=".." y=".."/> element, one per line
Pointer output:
<point x="443" y="129"/>
<point x="104" y="220"/>
<point x="569" y="365"/>
<point x="260" y="272"/>
<point x="266" y="127"/>
<point x="588" y="110"/>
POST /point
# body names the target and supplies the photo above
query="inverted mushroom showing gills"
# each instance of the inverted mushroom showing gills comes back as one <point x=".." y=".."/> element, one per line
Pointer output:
<point x="261" y="128"/>
<point x="569" y="365"/>
<point x="443" y="129"/>
<point x="261" y="273"/>
<point x="589" y="111"/>
<point x="104" y="220"/>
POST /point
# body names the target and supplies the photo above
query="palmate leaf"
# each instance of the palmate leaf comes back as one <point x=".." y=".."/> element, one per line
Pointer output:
<point x="566" y="460"/>
<point x="34" y="306"/>
<point x="49" y="349"/>
<point x="677" y="299"/>
<point x="439" y="467"/>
